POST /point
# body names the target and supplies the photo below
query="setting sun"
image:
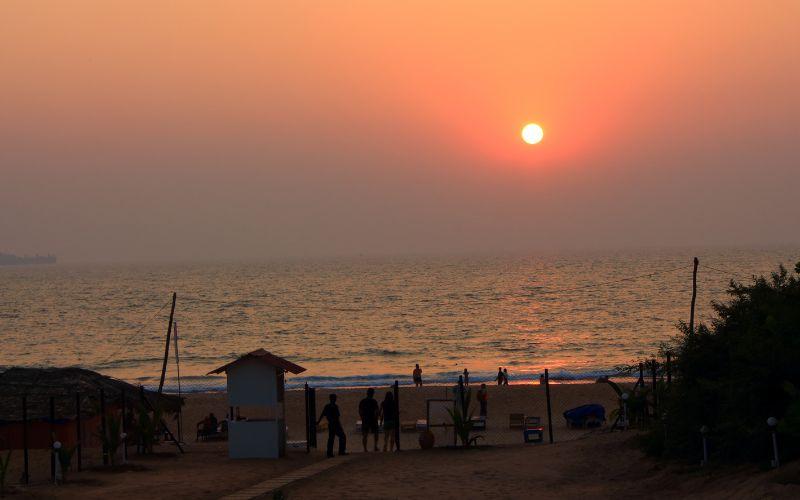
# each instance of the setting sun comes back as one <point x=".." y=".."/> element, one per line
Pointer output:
<point x="532" y="133"/>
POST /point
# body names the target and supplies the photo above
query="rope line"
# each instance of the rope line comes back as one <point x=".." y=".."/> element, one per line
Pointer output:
<point x="135" y="334"/>
<point x="629" y="278"/>
<point x="726" y="273"/>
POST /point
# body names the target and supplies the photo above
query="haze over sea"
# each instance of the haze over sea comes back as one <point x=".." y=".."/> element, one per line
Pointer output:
<point x="365" y="321"/>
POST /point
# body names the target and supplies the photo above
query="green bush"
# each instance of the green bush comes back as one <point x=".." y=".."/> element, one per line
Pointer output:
<point x="735" y="373"/>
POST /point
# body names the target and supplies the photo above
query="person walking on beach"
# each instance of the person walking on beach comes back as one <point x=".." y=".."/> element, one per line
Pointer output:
<point x="389" y="416"/>
<point x="331" y="412"/>
<point x="369" y="412"/>
<point x="505" y="376"/>
<point x="499" y="375"/>
<point x="466" y="377"/>
<point x="417" y="376"/>
<point x="483" y="399"/>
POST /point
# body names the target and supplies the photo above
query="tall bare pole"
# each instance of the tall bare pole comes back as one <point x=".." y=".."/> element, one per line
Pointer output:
<point x="178" y="369"/>
<point x="166" y="347"/>
<point x="694" y="295"/>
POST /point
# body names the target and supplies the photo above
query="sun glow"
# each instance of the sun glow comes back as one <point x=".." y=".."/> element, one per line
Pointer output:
<point x="532" y="133"/>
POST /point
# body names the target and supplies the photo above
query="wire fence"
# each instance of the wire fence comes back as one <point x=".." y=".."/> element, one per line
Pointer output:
<point x="51" y="435"/>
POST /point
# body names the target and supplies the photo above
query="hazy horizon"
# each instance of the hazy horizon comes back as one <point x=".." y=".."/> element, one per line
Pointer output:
<point x="249" y="131"/>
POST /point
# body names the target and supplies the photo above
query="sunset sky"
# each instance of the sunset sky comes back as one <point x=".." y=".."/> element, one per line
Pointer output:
<point x="159" y="130"/>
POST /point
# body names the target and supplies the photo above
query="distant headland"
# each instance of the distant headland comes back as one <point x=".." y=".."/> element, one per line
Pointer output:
<point x="7" y="259"/>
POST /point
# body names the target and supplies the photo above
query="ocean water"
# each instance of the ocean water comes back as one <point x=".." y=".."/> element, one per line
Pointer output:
<point x="366" y="321"/>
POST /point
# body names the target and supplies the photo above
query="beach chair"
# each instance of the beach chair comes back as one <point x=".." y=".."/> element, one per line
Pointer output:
<point x="422" y="424"/>
<point x="516" y="421"/>
<point x="533" y="431"/>
<point x="478" y="423"/>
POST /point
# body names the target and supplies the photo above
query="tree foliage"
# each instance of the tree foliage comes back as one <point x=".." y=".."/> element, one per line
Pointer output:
<point x="735" y="373"/>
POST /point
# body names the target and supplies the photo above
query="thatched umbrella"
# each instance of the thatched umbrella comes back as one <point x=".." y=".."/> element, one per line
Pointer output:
<point x="40" y="384"/>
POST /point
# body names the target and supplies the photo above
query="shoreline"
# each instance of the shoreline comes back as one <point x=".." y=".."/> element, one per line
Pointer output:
<point x="298" y="388"/>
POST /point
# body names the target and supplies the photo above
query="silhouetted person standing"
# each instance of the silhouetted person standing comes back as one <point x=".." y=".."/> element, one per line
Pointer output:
<point x="417" y="376"/>
<point x="483" y="399"/>
<point x="369" y="411"/>
<point x="389" y="414"/>
<point x="505" y="376"/>
<point x="500" y="375"/>
<point x="466" y="377"/>
<point x="331" y="412"/>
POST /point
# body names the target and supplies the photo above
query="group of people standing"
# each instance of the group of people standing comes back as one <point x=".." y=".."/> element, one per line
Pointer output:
<point x="502" y="376"/>
<point x="373" y="418"/>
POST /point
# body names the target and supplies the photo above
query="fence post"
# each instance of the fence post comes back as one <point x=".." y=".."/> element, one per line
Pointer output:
<point x="125" y="427"/>
<point x="669" y="370"/>
<point x="312" y="413"/>
<point x="655" y="388"/>
<point x="397" y="414"/>
<point x="78" y="429"/>
<point x="52" y="438"/>
<point x="142" y="399"/>
<point x="26" y="474"/>
<point x="103" y="425"/>
<point x="308" y="419"/>
<point x="549" y="408"/>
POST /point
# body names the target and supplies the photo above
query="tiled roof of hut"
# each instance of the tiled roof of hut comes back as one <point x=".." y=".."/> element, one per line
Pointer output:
<point x="39" y="384"/>
<point x="266" y="357"/>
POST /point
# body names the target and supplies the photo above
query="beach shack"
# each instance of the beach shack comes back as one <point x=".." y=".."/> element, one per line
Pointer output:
<point x="257" y="420"/>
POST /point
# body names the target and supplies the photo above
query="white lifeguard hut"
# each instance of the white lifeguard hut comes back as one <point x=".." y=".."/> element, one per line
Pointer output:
<point x="257" y="420"/>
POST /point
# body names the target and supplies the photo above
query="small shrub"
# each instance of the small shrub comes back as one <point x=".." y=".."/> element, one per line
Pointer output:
<point x="64" y="457"/>
<point x="112" y="439"/>
<point x="462" y="420"/>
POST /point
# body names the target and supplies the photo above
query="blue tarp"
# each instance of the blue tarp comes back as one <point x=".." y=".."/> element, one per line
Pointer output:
<point x="578" y="416"/>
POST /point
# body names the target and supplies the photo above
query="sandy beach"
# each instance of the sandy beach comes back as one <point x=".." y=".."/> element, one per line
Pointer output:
<point x="527" y="399"/>
<point x="582" y="462"/>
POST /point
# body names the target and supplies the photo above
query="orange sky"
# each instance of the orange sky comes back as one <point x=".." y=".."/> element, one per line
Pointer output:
<point x="316" y="125"/>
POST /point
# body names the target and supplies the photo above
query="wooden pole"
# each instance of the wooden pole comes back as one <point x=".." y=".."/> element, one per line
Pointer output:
<point x="669" y="369"/>
<point x="52" y="438"/>
<point x="124" y="426"/>
<point x="140" y="444"/>
<point x="655" y="385"/>
<point x="26" y="474"/>
<point x="397" y="414"/>
<point x="308" y="419"/>
<point x="79" y="431"/>
<point x="178" y="371"/>
<point x="641" y="375"/>
<point x="312" y="411"/>
<point x="166" y="347"/>
<point x="549" y="408"/>
<point x="103" y="425"/>
<point x="694" y="295"/>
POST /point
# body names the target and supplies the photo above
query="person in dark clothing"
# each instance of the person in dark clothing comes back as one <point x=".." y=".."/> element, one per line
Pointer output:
<point x="213" y="423"/>
<point x="369" y="412"/>
<point x="483" y="399"/>
<point x="500" y="376"/>
<point x="331" y="412"/>
<point x="505" y="376"/>
<point x="389" y="415"/>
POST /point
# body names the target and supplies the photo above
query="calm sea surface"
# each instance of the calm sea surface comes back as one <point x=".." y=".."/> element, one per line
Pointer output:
<point x="367" y="321"/>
